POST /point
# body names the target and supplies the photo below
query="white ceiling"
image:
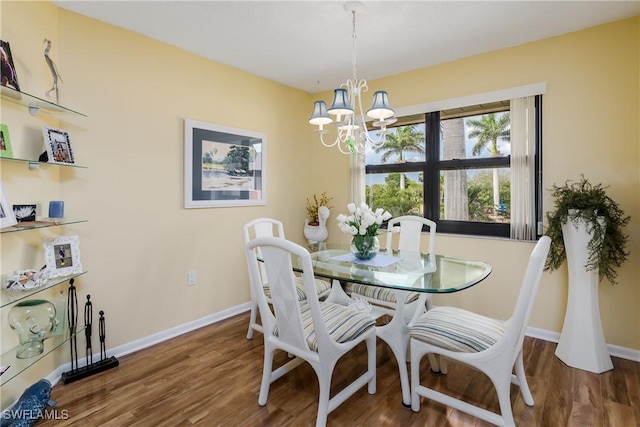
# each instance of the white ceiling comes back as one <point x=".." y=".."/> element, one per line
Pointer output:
<point x="308" y="45"/>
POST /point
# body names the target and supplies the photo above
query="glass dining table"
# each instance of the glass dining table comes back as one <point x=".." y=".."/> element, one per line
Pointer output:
<point x="402" y="272"/>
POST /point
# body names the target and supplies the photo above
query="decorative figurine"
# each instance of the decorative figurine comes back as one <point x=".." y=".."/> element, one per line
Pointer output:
<point x="88" y="322"/>
<point x="30" y="407"/>
<point x="54" y="70"/>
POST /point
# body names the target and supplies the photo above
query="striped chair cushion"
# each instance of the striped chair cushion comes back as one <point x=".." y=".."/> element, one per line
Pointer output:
<point x="302" y="296"/>
<point x="379" y="293"/>
<point x="343" y="323"/>
<point x="457" y="329"/>
<point x="321" y="286"/>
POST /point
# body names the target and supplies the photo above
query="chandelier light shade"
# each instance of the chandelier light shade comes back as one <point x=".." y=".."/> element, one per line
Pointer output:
<point x="351" y="126"/>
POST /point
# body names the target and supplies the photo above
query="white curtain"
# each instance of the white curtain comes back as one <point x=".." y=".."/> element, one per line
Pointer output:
<point x="523" y="215"/>
<point x="357" y="178"/>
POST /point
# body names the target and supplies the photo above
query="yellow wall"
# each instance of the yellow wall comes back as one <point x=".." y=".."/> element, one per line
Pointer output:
<point x="139" y="242"/>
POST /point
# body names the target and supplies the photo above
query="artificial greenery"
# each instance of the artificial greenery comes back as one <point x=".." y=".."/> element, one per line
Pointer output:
<point x="314" y="203"/>
<point x="607" y="246"/>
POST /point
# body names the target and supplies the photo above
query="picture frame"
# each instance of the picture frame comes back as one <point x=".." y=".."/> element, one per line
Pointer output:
<point x="8" y="75"/>
<point x="25" y="213"/>
<point x="223" y="166"/>
<point x="7" y="218"/>
<point x="62" y="255"/>
<point x="58" y="144"/>
<point x="5" y="142"/>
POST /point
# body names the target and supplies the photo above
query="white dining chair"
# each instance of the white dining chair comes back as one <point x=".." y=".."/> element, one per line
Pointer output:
<point x="262" y="227"/>
<point x="317" y="332"/>
<point x="491" y="346"/>
<point x="408" y="229"/>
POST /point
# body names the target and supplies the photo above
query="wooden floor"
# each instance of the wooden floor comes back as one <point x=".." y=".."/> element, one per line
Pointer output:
<point x="211" y="377"/>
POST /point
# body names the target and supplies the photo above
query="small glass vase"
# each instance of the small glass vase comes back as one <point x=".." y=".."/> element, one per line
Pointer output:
<point x="365" y="247"/>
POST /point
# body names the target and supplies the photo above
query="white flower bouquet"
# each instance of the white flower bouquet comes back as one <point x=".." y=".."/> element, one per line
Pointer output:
<point x="363" y="224"/>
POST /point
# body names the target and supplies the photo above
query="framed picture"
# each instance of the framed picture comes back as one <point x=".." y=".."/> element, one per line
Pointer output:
<point x="62" y="255"/>
<point x="25" y="213"/>
<point x="58" y="146"/>
<point x="223" y="166"/>
<point x="8" y="76"/>
<point x="5" y="142"/>
<point x="7" y="218"/>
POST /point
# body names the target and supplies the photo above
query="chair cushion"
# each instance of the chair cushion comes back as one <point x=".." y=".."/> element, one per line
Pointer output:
<point x="302" y="296"/>
<point x="379" y="293"/>
<point x="457" y="329"/>
<point x="321" y="287"/>
<point x="343" y="323"/>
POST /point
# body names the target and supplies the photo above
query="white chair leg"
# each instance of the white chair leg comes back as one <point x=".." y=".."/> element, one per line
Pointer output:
<point x="416" y="356"/>
<point x="266" y="374"/>
<point x="521" y="379"/>
<point x="252" y="318"/>
<point x="371" y="352"/>
<point x="324" y="381"/>
<point x="503" y="388"/>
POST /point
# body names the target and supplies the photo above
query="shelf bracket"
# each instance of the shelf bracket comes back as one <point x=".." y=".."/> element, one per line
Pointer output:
<point x="33" y="108"/>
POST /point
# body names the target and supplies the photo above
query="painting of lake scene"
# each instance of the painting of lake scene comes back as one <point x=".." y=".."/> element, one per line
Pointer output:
<point x="223" y="166"/>
<point x="228" y="167"/>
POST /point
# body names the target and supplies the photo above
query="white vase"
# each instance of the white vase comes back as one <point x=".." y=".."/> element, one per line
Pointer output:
<point x="316" y="234"/>
<point x="582" y="344"/>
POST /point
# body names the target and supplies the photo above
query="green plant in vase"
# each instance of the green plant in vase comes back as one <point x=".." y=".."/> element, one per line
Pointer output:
<point x="314" y="204"/>
<point x="581" y="200"/>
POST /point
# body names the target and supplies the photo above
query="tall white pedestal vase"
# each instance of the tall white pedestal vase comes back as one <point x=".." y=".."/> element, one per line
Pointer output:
<point x="582" y="344"/>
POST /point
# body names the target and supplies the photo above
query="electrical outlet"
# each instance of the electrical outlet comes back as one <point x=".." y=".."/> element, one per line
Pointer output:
<point x="191" y="278"/>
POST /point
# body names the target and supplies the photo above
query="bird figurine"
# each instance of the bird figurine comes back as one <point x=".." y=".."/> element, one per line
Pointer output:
<point x="317" y="233"/>
<point x="54" y="70"/>
<point x="30" y="407"/>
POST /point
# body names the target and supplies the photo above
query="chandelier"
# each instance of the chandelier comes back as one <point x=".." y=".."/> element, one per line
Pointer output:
<point x="351" y="126"/>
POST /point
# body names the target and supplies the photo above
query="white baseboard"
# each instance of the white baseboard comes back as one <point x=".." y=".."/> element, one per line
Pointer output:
<point x="156" y="338"/>
<point x="614" y="350"/>
<point x="54" y="377"/>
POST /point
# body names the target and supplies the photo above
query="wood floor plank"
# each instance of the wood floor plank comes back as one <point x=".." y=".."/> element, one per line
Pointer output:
<point x="211" y="377"/>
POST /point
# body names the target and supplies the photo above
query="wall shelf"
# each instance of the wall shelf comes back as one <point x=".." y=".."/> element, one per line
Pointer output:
<point x="8" y="297"/>
<point x="34" y="225"/>
<point x="35" y="103"/>
<point x="17" y="366"/>
<point x="36" y="163"/>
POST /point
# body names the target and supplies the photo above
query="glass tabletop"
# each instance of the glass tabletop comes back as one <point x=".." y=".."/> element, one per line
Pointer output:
<point x="405" y="270"/>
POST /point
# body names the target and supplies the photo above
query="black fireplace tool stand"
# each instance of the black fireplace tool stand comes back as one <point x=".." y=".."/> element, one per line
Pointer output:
<point x="77" y="373"/>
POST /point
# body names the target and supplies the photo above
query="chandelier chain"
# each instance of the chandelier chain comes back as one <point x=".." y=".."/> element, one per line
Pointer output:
<point x="353" y="36"/>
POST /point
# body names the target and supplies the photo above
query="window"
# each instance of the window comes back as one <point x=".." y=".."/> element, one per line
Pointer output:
<point x="455" y="166"/>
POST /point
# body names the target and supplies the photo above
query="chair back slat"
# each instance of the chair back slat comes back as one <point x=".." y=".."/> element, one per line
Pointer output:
<point x="528" y="290"/>
<point x="284" y="296"/>
<point x="410" y="229"/>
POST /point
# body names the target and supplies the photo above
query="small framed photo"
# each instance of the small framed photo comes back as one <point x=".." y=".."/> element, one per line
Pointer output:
<point x="25" y="213"/>
<point x="8" y="76"/>
<point x="58" y="146"/>
<point x="7" y="218"/>
<point x="62" y="255"/>
<point x="223" y="166"/>
<point x="5" y="142"/>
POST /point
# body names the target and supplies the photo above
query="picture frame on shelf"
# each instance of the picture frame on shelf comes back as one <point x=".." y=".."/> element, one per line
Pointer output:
<point x="7" y="217"/>
<point x="8" y="75"/>
<point x="25" y="213"/>
<point x="5" y="142"/>
<point x="223" y="166"/>
<point x="58" y="144"/>
<point x="62" y="255"/>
